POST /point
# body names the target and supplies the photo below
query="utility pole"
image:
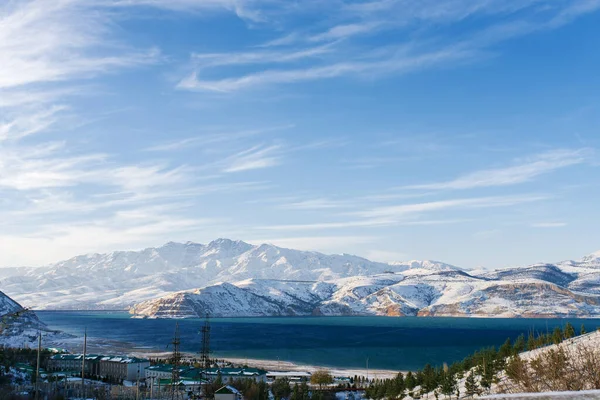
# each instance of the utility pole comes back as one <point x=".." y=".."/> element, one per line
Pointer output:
<point x="175" y="359"/>
<point x="205" y="351"/>
<point x="37" y="368"/>
<point x="137" y="393"/>
<point x="83" y="364"/>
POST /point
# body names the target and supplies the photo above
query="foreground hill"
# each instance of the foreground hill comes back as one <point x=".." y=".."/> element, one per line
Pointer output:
<point x="234" y="278"/>
<point x="19" y="326"/>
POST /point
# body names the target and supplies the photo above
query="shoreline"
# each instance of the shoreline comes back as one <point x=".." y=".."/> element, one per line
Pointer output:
<point x="279" y="365"/>
<point x="100" y="345"/>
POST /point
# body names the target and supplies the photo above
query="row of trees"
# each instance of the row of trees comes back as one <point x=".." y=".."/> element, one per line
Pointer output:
<point x="281" y="389"/>
<point x="480" y="369"/>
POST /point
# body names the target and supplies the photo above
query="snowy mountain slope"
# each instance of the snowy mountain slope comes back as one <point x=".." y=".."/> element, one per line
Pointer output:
<point x="433" y="294"/>
<point x="545" y="272"/>
<point x="246" y="298"/>
<point x="8" y="305"/>
<point x="234" y="278"/>
<point x="19" y="326"/>
<point x="120" y="279"/>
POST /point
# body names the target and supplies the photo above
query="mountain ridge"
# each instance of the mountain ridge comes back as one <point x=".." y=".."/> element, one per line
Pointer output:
<point x="280" y="279"/>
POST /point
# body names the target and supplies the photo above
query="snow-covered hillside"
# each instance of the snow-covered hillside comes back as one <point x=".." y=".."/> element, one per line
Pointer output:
<point x="119" y="279"/>
<point x="19" y="326"/>
<point x="233" y="278"/>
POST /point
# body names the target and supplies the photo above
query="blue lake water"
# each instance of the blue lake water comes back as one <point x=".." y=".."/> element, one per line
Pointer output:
<point x="405" y="343"/>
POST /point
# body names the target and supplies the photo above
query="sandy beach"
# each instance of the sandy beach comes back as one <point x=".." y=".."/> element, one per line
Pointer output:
<point x="275" y="365"/>
<point x="278" y="365"/>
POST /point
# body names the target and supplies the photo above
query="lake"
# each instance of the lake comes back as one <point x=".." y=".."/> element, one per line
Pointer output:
<point x="404" y="343"/>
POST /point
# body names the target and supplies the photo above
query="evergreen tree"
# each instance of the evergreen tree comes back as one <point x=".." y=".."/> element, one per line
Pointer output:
<point x="304" y="390"/>
<point x="448" y="384"/>
<point x="531" y="342"/>
<point x="582" y="330"/>
<point x="429" y="378"/>
<point x="296" y="393"/>
<point x="409" y="381"/>
<point x="519" y="345"/>
<point x="471" y="387"/>
<point x="506" y="349"/>
<point x="399" y="384"/>
<point x="557" y="335"/>
<point x="569" y="331"/>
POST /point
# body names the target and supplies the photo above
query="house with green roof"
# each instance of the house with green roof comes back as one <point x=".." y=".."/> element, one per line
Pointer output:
<point x="184" y="384"/>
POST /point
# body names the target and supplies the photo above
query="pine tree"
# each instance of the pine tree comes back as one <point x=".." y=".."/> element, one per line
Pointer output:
<point x="471" y="386"/>
<point x="506" y="349"/>
<point x="557" y="335"/>
<point x="569" y="331"/>
<point x="409" y="381"/>
<point x="429" y="378"/>
<point x="531" y="342"/>
<point x="519" y="345"/>
<point x="449" y="384"/>
<point x="582" y="330"/>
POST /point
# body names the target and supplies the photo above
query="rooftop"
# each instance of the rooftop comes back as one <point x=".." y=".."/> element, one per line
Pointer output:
<point x="99" y="357"/>
<point x="196" y="372"/>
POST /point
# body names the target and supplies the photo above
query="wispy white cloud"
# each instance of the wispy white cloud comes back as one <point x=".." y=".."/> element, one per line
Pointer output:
<point x="245" y="9"/>
<point x="345" y="31"/>
<point x="63" y="199"/>
<point x="48" y="41"/>
<point x="525" y="171"/>
<point x="202" y="61"/>
<point x="549" y="225"/>
<point x="25" y="125"/>
<point x="215" y="138"/>
<point x="402" y="64"/>
<point x="335" y="60"/>
<point x="316" y="204"/>
<point x="403" y="210"/>
<point x="407" y="220"/>
<point x="257" y="157"/>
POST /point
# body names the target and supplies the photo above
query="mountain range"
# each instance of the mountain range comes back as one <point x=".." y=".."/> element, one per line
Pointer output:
<point x="234" y="278"/>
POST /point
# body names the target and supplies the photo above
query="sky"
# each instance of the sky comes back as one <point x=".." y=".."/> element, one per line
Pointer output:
<point x="454" y="130"/>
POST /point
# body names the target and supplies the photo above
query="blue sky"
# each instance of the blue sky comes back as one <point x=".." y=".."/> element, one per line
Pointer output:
<point x="455" y="130"/>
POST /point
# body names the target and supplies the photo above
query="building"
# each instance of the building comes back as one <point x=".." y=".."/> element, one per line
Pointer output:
<point x="184" y="385"/>
<point x="111" y="367"/>
<point x="292" y="376"/>
<point x="126" y="368"/>
<point x="164" y="371"/>
<point x="228" y="393"/>
<point x="231" y="374"/>
<point x="65" y="362"/>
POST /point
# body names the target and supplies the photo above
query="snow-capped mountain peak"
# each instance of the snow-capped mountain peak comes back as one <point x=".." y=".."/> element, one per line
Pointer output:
<point x="592" y="258"/>
<point x="191" y="277"/>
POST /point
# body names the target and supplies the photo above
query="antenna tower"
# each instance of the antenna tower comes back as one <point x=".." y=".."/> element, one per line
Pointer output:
<point x="205" y="351"/>
<point x="175" y="362"/>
